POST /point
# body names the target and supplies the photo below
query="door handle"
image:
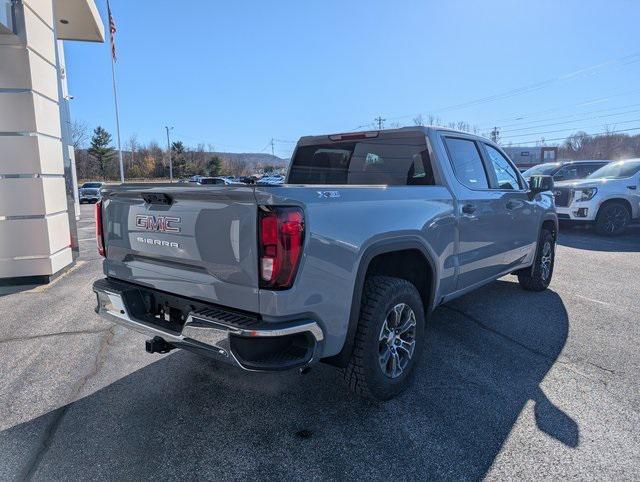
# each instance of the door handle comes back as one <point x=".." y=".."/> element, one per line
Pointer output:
<point x="632" y="187"/>
<point x="468" y="208"/>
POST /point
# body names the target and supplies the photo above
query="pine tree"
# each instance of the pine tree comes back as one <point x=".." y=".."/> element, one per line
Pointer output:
<point x="101" y="150"/>
<point x="214" y="166"/>
<point x="178" y="159"/>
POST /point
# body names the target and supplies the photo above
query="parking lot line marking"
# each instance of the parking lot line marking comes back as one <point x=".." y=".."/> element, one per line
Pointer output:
<point x="595" y="301"/>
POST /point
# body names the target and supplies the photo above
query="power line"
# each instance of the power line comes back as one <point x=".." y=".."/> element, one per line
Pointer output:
<point x="583" y="103"/>
<point x="265" y="147"/>
<point x="591" y="135"/>
<point x="563" y="130"/>
<point x="583" y="72"/>
<point x="360" y="127"/>
<point x="285" y="141"/>
<point x="566" y="106"/>
<point x="380" y="121"/>
<point x="539" y="85"/>
<point x="221" y="146"/>
<point x="573" y="121"/>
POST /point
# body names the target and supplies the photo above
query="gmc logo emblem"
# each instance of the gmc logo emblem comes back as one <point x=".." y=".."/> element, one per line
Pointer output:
<point x="165" y="224"/>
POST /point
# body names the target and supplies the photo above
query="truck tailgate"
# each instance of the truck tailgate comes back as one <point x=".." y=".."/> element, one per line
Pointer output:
<point x="193" y="241"/>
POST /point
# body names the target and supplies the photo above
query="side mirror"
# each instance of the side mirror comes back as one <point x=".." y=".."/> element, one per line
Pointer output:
<point x="538" y="184"/>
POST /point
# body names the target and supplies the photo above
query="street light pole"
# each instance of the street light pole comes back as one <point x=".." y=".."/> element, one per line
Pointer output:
<point x="169" y="152"/>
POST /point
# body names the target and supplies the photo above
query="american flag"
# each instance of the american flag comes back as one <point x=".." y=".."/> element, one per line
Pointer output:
<point x="112" y="32"/>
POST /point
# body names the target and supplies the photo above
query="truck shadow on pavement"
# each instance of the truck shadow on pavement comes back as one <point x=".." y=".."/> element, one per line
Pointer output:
<point x="187" y="417"/>
<point x="585" y="237"/>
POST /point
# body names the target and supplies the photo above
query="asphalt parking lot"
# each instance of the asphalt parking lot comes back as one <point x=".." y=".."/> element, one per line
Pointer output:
<point x="512" y="385"/>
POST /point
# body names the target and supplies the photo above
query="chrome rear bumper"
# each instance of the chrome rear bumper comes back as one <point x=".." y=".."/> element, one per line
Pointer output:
<point x="209" y="331"/>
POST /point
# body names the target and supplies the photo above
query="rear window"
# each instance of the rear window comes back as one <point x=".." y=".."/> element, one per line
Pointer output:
<point x="394" y="162"/>
<point x="617" y="170"/>
<point x="91" y="185"/>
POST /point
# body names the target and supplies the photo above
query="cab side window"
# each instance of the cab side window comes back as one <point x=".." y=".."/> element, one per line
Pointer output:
<point x="505" y="173"/>
<point x="467" y="163"/>
<point x="393" y="162"/>
<point x="567" y="173"/>
<point x="585" y="170"/>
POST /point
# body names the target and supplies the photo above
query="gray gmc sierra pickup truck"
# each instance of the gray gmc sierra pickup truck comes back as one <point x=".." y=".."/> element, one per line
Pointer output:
<point x="343" y="263"/>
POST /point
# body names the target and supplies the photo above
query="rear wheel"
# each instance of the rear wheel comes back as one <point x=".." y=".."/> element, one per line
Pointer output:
<point x="612" y="219"/>
<point x="389" y="339"/>
<point x="538" y="277"/>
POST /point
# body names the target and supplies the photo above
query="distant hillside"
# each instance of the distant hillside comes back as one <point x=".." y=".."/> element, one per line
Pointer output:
<point x="151" y="161"/>
<point x="252" y="158"/>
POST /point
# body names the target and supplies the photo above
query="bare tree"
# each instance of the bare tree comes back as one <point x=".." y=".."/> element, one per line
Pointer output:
<point x="235" y="167"/>
<point x="575" y="142"/>
<point x="495" y="135"/>
<point x="433" y="120"/>
<point x="418" y="120"/>
<point x="132" y="146"/>
<point x="79" y="134"/>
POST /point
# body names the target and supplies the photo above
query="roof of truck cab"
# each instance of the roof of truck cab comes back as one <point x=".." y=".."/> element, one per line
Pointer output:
<point x="306" y="140"/>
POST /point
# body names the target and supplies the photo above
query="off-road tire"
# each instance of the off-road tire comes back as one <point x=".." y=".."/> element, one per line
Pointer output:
<point x="612" y="219"/>
<point x="535" y="278"/>
<point x="363" y="372"/>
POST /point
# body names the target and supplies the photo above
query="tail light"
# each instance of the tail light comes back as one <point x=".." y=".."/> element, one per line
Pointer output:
<point x="281" y="234"/>
<point x="99" y="231"/>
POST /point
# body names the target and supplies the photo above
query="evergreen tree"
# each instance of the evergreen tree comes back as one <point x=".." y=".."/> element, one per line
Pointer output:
<point x="178" y="159"/>
<point x="101" y="150"/>
<point x="214" y="166"/>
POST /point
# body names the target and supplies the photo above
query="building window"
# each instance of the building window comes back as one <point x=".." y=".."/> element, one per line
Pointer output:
<point x="6" y="17"/>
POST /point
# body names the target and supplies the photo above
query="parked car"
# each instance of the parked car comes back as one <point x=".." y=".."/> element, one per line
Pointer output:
<point x="566" y="170"/>
<point x="223" y="181"/>
<point x="276" y="179"/>
<point x="342" y="264"/>
<point x="609" y="198"/>
<point x="247" y="179"/>
<point x="89" y="192"/>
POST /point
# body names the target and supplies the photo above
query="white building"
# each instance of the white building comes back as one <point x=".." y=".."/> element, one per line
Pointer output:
<point x="38" y="235"/>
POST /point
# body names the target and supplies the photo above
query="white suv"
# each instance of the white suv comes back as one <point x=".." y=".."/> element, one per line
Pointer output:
<point x="609" y="197"/>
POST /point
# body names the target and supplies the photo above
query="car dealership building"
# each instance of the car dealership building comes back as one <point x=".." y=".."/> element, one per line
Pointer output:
<point x="38" y="192"/>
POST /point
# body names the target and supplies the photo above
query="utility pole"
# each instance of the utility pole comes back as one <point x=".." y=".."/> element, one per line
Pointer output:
<point x="169" y="152"/>
<point x="380" y="122"/>
<point x="272" y="149"/>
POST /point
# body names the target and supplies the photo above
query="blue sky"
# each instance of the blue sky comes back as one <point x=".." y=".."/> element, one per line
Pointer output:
<point x="236" y="74"/>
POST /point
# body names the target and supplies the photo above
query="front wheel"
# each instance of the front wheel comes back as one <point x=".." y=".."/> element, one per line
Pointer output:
<point x="612" y="219"/>
<point x="389" y="338"/>
<point x="538" y="277"/>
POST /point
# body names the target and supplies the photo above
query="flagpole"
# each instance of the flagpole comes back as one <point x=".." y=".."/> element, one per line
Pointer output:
<point x="115" y="91"/>
<point x="115" y="98"/>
